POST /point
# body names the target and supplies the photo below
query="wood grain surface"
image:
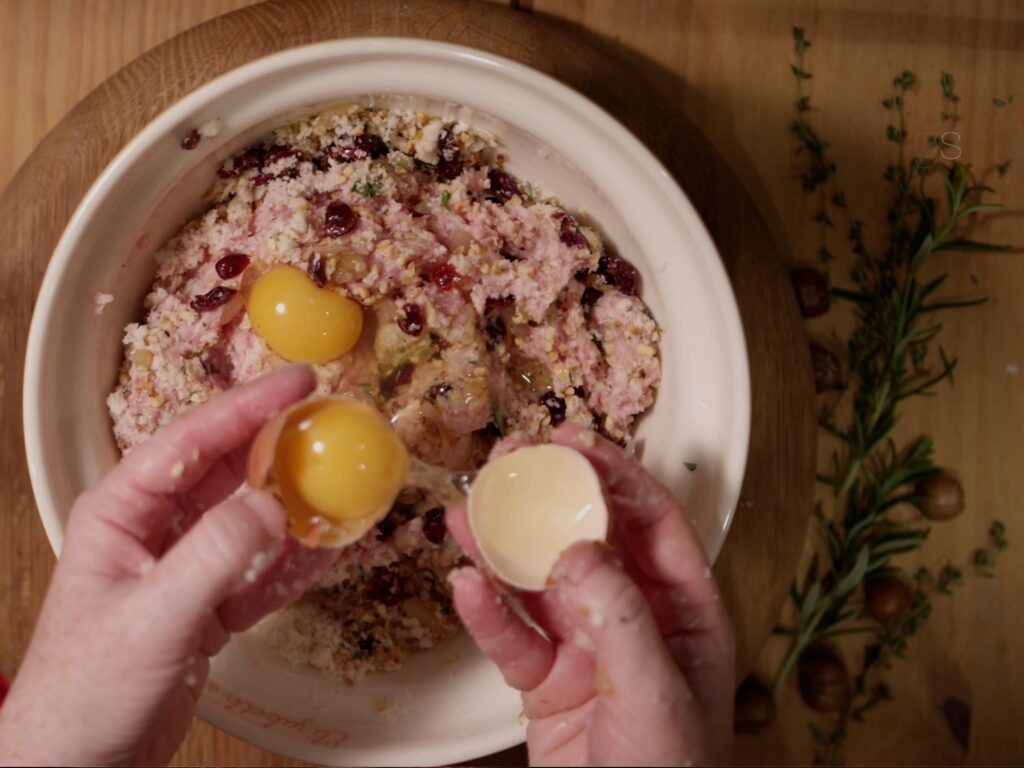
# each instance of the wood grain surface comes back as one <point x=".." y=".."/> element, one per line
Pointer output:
<point x="719" y="65"/>
<point x="753" y="568"/>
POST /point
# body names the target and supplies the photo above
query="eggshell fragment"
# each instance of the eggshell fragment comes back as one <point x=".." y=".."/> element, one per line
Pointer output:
<point x="528" y="506"/>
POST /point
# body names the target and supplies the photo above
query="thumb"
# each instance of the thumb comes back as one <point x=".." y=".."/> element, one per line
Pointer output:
<point x="644" y="702"/>
<point x="230" y="544"/>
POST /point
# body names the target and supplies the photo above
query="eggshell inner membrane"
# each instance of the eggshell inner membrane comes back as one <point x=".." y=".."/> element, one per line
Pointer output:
<point x="527" y="507"/>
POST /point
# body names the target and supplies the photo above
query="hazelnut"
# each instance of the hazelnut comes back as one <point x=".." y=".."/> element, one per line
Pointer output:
<point x="940" y="497"/>
<point x="824" y="684"/>
<point x="812" y="291"/>
<point x="827" y="372"/>
<point x="755" y="707"/>
<point x="887" y="597"/>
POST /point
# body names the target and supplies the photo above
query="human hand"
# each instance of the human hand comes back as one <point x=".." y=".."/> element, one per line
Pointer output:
<point x="637" y="667"/>
<point x="160" y="564"/>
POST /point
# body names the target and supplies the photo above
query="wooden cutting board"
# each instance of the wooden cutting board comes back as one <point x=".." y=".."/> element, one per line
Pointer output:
<point x="764" y="544"/>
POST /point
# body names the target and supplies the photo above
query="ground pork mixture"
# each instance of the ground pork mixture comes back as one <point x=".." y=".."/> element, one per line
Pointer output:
<point x="490" y="312"/>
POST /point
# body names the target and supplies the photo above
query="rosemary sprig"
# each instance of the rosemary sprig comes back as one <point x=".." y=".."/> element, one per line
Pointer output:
<point x="890" y="642"/>
<point x="890" y="359"/>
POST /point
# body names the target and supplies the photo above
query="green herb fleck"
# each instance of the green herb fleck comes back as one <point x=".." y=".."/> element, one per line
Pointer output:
<point x="690" y="466"/>
<point x="946" y="81"/>
<point x="597" y="342"/>
<point x="647" y="311"/>
<point x="1002" y="102"/>
<point x="499" y="417"/>
<point x="905" y="81"/>
<point x="825" y="255"/>
<point x="368" y="189"/>
<point x="1003" y="167"/>
<point x="445" y="197"/>
<point x="800" y="41"/>
<point x="801" y="73"/>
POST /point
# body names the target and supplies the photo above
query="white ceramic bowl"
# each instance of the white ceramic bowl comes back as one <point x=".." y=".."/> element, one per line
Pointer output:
<point x="443" y="710"/>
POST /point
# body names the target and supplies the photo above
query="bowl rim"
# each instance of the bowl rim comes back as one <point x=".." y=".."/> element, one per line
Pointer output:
<point x="179" y="111"/>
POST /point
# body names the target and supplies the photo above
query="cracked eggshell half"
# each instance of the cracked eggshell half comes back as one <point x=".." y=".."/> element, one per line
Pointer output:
<point x="528" y="506"/>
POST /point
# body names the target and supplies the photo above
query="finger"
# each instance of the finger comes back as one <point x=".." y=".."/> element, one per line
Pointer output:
<point x="636" y="676"/>
<point x="664" y="547"/>
<point x="288" y="577"/>
<point x="214" y="637"/>
<point x="207" y="564"/>
<point x="522" y="655"/>
<point x="179" y="456"/>
<point x="650" y="521"/>
<point x="569" y="684"/>
<point x="544" y="609"/>
<point x="222" y="480"/>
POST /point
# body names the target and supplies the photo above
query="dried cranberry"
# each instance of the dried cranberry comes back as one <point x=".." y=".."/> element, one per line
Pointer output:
<point x="444" y="276"/>
<point x="590" y="297"/>
<point x="495" y="330"/>
<point x="827" y="372"/>
<point x="433" y="525"/>
<point x="253" y="157"/>
<point x="317" y="269"/>
<point x="384" y="587"/>
<point x="812" y="291"/>
<point x="277" y="152"/>
<point x="501" y="301"/>
<point x="399" y="514"/>
<point x="619" y="273"/>
<point x="191" y="140"/>
<point x="555" y="406"/>
<point x="213" y="299"/>
<point x="569" y="233"/>
<point x="370" y="145"/>
<point x="366" y="644"/>
<point x="386" y="528"/>
<point x="232" y="265"/>
<point x="398" y="377"/>
<point x="503" y="187"/>
<point x="450" y="164"/>
<point x="360" y="148"/>
<point x="265" y="178"/>
<point x="412" y="321"/>
<point x="490" y="433"/>
<point x="438" y="390"/>
<point x="339" y="219"/>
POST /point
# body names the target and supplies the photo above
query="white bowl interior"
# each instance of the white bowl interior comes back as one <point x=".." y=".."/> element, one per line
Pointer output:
<point x="449" y="704"/>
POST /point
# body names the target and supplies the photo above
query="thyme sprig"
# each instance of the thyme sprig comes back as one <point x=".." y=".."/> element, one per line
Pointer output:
<point x="870" y="479"/>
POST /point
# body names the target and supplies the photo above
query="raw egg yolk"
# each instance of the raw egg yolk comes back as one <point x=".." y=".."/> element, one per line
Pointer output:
<point x="301" y="322"/>
<point x="338" y="460"/>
